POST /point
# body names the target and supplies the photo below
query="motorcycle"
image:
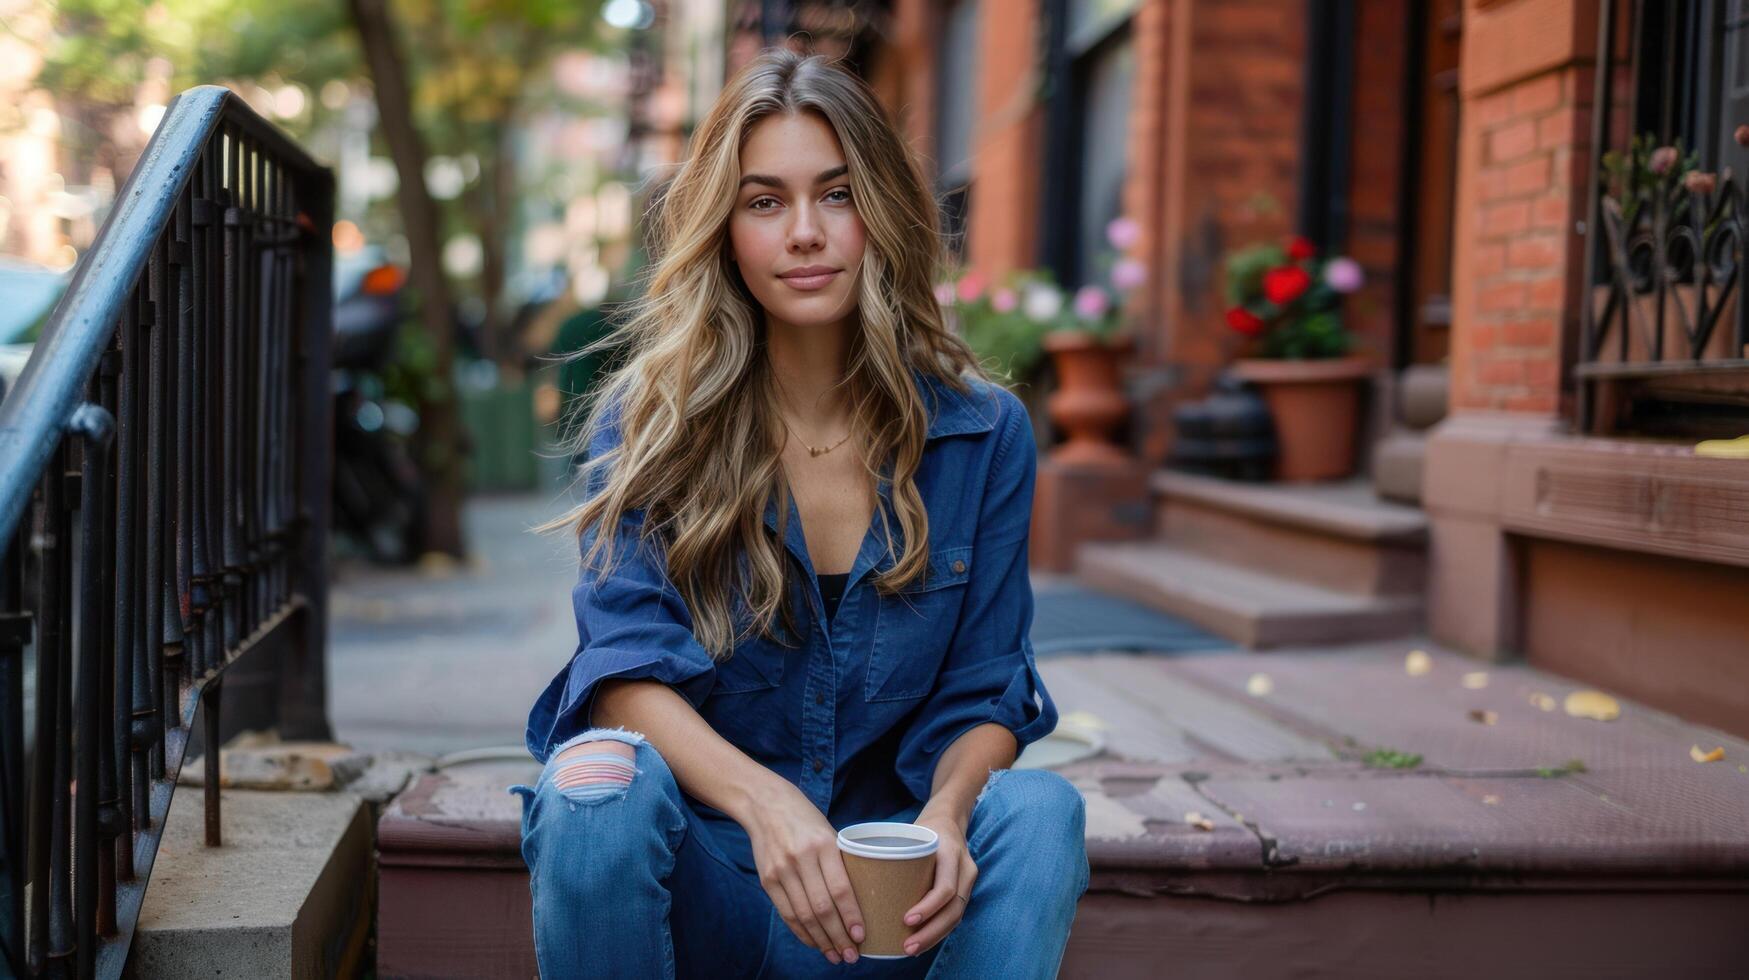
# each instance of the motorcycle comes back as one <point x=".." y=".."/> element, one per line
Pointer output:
<point x="379" y="497"/>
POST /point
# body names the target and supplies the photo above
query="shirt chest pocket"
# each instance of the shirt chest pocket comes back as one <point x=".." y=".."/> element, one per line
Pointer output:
<point x="756" y="665"/>
<point x="914" y="626"/>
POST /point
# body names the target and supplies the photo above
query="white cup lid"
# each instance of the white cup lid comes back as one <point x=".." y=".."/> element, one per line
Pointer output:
<point x="852" y="839"/>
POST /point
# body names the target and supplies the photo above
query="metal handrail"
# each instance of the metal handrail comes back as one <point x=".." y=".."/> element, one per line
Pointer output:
<point x="164" y="466"/>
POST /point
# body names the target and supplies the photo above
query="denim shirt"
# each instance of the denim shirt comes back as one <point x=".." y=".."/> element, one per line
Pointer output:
<point x="858" y="713"/>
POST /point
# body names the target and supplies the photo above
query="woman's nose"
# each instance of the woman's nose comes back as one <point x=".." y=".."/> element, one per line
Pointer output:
<point x="804" y="231"/>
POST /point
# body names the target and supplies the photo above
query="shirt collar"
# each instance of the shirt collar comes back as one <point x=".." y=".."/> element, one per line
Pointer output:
<point x="952" y="413"/>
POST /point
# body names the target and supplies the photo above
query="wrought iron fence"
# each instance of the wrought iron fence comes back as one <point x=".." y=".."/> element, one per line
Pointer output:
<point x="1663" y="344"/>
<point x="163" y="510"/>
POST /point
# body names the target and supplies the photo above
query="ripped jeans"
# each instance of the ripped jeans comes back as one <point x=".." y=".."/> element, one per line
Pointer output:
<point x="621" y="889"/>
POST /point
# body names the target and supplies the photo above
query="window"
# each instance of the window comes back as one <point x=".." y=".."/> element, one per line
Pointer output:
<point x="956" y="109"/>
<point x="1092" y="72"/>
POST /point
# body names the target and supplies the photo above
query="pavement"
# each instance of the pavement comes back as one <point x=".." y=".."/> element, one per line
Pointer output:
<point x="446" y="659"/>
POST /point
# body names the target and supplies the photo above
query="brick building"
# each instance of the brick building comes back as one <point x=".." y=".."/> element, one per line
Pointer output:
<point x="1557" y="511"/>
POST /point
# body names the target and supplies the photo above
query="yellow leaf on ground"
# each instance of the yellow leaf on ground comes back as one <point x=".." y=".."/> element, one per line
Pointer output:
<point x="1259" y="686"/>
<point x="1483" y="716"/>
<point x="1595" y="705"/>
<point x="1417" y="663"/>
<point x="1737" y="448"/>
<point x="1491" y="800"/>
<point x="1543" y="701"/>
<point x="1475" y="680"/>
<point x="1199" y="821"/>
<point x="1697" y="755"/>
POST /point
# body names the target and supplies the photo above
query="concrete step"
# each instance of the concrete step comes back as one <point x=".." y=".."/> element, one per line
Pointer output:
<point x="455" y="893"/>
<point x="1307" y="858"/>
<point x="288" y="893"/>
<point x="1336" y="536"/>
<point x="1250" y="607"/>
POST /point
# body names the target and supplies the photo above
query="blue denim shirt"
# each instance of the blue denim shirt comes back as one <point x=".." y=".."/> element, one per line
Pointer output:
<point x="857" y="714"/>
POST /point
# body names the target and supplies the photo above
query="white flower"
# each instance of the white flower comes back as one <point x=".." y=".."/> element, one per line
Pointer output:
<point x="1042" y="302"/>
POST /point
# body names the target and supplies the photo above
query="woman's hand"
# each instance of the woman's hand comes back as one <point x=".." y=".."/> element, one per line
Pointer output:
<point x="796" y="852"/>
<point x="944" y="904"/>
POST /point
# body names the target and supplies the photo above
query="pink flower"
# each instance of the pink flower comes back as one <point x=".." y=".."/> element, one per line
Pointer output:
<point x="1343" y="275"/>
<point x="971" y="287"/>
<point x="1700" y="183"/>
<point x="1091" y="303"/>
<point x="1128" y="274"/>
<point x="1004" y="300"/>
<point x="944" y="293"/>
<point x="1123" y="234"/>
<point x="1662" y="159"/>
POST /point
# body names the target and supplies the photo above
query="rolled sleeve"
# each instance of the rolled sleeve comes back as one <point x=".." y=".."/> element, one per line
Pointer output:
<point x="631" y="624"/>
<point x="989" y="674"/>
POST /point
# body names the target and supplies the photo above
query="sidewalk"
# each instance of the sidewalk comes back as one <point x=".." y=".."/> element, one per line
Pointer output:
<point x="445" y="661"/>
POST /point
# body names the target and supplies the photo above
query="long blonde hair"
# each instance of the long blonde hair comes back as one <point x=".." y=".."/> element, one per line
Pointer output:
<point x="699" y="437"/>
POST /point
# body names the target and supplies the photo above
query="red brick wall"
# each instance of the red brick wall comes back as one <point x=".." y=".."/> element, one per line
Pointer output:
<point x="1003" y="227"/>
<point x="1523" y="152"/>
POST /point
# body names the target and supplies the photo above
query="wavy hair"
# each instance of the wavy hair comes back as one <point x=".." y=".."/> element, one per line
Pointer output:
<point x="693" y="400"/>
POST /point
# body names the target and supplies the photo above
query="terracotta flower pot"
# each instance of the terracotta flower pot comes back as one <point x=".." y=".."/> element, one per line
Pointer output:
<point x="1089" y="403"/>
<point x="1315" y="405"/>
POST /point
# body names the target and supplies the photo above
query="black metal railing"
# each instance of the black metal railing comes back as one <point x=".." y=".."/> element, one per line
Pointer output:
<point x="163" y="510"/>
<point x="1663" y="345"/>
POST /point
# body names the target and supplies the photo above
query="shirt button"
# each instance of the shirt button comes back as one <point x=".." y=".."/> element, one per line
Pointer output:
<point x="959" y="566"/>
<point x="819" y="698"/>
<point x="819" y="765"/>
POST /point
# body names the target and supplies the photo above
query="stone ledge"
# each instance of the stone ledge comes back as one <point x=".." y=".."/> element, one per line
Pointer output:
<point x="1345" y="510"/>
<point x="290" y="893"/>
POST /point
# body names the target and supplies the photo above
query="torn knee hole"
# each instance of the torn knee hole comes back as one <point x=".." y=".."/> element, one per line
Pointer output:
<point x="591" y="771"/>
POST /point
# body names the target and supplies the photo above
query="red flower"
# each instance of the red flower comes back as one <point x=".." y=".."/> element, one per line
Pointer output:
<point x="1284" y="284"/>
<point x="1300" y="247"/>
<point x="1244" y="321"/>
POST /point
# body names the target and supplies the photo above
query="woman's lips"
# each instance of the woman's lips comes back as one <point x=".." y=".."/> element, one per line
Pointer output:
<point x="810" y="283"/>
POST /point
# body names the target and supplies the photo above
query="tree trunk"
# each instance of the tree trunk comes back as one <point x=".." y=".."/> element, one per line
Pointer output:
<point x="438" y="442"/>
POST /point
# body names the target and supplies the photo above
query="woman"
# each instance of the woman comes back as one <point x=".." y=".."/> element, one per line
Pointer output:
<point x="805" y="600"/>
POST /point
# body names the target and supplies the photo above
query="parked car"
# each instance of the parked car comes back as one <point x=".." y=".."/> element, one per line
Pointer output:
<point x="28" y="293"/>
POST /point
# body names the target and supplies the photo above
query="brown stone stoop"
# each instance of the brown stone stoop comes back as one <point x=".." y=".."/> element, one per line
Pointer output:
<point x="1272" y="564"/>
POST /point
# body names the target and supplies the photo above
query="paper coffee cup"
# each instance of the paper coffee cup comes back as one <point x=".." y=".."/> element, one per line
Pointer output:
<point x="891" y="866"/>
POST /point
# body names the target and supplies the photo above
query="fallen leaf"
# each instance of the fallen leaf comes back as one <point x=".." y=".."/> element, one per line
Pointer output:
<point x="1543" y="701"/>
<point x="1476" y="680"/>
<point x="1697" y="755"/>
<point x="1595" y="705"/>
<point x="1483" y="716"/>
<point x="1491" y="800"/>
<point x="1417" y="663"/>
<point x="1199" y="821"/>
<point x="1259" y="686"/>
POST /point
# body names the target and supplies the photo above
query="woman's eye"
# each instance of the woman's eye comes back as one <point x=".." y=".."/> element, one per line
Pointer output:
<point x="755" y="204"/>
<point x="841" y="194"/>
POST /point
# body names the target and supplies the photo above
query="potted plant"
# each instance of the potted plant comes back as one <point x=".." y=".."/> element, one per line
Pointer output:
<point x="1285" y="302"/>
<point x="1028" y="316"/>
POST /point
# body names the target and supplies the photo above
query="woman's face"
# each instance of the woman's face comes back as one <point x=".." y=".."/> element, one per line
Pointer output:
<point x="794" y="232"/>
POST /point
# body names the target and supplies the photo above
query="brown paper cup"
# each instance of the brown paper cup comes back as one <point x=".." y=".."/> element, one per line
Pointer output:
<point x="887" y="880"/>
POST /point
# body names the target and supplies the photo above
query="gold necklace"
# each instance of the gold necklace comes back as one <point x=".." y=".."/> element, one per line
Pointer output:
<point x="812" y="451"/>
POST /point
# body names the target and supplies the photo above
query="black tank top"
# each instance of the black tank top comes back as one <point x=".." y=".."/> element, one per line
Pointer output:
<point x="831" y="590"/>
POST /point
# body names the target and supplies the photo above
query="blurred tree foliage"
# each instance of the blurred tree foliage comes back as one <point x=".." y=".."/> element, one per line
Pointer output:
<point x="471" y="70"/>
